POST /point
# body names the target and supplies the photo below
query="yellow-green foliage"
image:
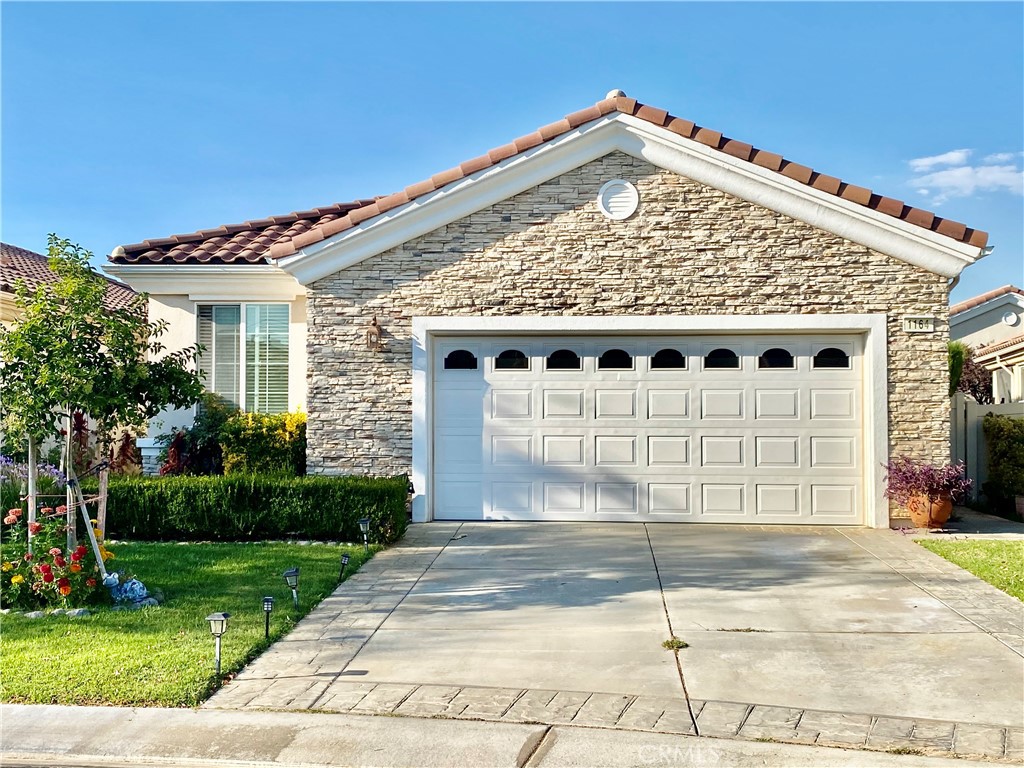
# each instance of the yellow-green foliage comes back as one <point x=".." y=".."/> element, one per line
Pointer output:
<point x="265" y="443"/>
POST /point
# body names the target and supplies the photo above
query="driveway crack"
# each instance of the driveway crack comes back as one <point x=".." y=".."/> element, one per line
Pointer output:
<point x="671" y="632"/>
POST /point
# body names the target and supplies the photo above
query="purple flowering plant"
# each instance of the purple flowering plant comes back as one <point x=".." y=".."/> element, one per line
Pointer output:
<point x="908" y="477"/>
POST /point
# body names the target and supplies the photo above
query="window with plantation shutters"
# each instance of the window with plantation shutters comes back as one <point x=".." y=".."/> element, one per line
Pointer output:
<point x="220" y="335"/>
<point x="266" y="358"/>
<point x="245" y="357"/>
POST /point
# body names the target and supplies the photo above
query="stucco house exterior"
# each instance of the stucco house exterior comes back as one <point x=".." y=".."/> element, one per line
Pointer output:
<point x="621" y="316"/>
<point x="992" y="324"/>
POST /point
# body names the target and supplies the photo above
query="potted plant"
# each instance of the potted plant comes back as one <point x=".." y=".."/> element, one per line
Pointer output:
<point x="926" y="490"/>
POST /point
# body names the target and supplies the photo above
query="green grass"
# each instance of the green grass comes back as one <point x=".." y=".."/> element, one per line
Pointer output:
<point x="1000" y="563"/>
<point x="164" y="656"/>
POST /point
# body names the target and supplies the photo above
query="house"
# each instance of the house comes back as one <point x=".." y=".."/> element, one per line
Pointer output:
<point x="992" y="324"/>
<point x="19" y="264"/>
<point x="621" y="316"/>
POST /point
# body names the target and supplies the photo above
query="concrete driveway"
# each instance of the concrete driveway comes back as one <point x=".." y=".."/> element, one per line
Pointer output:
<point x="855" y="634"/>
<point x="789" y="617"/>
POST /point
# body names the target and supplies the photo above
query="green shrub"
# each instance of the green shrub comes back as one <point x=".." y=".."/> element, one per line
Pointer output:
<point x="1004" y="438"/>
<point x="256" y="507"/>
<point x="264" y="443"/>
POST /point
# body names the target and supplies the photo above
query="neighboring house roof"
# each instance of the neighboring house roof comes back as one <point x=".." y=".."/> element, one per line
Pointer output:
<point x="999" y="346"/>
<point x="34" y="268"/>
<point x="977" y="301"/>
<point x="255" y="240"/>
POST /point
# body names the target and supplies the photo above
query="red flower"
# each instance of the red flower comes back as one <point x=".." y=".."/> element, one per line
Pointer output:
<point x="34" y="528"/>
<point x="90" y="582"/>
<point x="28" y="556"/>
<point x="81" y="550"/>
<point x="43" y="567"/>
<point x="76" y="556"/>
<point x="60" y="562"/>
<point x="47" y="577"/>
<point x="63" y="582"/>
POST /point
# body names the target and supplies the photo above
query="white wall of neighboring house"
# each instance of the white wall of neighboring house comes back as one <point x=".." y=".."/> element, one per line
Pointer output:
<point x="176" y="290"/>
<point x="985" y="327"/>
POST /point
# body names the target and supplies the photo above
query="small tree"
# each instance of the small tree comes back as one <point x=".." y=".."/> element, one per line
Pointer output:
<point x="975" y="379"/>
<point x="67" y="351"/>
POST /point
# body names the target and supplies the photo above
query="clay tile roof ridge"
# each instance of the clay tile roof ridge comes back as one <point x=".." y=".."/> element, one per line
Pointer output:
<point x="977" y="301"/>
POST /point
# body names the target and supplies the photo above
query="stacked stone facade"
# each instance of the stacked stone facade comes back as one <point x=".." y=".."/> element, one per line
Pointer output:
<point x="688" y="250"/>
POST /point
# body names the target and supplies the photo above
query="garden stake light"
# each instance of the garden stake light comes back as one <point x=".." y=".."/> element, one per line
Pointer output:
<point x="291" y="578"/>
<point x="344" y="565"/>
<point x="218" y="626"/>
<point x="268" y="606"/>
<point x="364" y="526"/>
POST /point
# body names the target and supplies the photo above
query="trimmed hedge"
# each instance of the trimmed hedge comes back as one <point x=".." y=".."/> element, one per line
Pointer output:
<point x="256" y="507"/>
<point x="1004" y="437"/>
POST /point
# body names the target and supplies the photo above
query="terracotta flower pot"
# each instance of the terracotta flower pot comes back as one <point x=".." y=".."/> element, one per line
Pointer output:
<point x="928" y="512"/>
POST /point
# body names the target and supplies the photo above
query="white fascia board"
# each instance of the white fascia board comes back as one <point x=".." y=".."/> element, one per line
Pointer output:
<point x="663" y="149"/>
<point x="211" y="282"/>
<point x="876" y="416"/>
<point x="879" y="231"/>
<point x="1006" y="300"/>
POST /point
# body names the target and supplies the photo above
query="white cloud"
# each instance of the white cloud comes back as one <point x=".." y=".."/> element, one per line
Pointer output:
<point x="1000" y="157"/>
<point x="953" y="157"/>
<point x="966" y="180"/>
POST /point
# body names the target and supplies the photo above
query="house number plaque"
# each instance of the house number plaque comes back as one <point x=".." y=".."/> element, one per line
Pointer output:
<point x="919" y="324"/>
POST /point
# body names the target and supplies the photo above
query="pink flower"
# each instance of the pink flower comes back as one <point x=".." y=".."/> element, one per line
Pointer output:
<point x="62" y="510"/>
<point x="90" y="582"/>
<point x="34" y="528"/>
<point x="10" y="520"/>
<point x="16" y="512"/>
<point x="55" y="551"/>
<point x="28" y="556"/>
<point x="46" y="511"/>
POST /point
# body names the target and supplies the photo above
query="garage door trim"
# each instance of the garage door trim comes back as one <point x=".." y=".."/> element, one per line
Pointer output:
<point x="427" y="331"/>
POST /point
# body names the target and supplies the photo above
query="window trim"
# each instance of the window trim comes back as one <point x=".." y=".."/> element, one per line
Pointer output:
<point x="242" y="332"/>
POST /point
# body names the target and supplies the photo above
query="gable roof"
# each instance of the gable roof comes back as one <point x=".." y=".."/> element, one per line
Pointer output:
<point x="977" y="301"/>
<point x="34" y="268"/>
<point x="254" y="241"/>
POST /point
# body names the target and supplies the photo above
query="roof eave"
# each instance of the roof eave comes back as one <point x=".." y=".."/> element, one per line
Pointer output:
<point x="659" y="146"/>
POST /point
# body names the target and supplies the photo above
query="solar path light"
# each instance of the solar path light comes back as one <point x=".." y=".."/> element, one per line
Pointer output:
<point x="268" y="607"/>
<point x="344" y="565"/>
<point x="364" y="526"/>
<point x="291" y="578"/>
<point x="218" y="626"/>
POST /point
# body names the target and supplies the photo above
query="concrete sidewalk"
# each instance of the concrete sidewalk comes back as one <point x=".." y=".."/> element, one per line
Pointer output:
<point x="87" y="737"/>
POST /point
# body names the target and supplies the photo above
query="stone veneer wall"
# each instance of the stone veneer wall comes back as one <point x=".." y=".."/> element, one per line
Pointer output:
<point x="688" y="250"/>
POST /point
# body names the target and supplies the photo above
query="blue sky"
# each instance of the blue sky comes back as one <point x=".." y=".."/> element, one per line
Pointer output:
<point x="126" y="121"/>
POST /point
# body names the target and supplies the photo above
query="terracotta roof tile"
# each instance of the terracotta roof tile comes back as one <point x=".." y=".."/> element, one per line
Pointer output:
<point x="256" y="240"/>
<point x="976" y="301"/>
<point x="34" y="269"/>
<point x="999" y="346"/>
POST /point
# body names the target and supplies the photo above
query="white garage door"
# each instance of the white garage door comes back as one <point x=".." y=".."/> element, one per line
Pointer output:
<point x="749" y="429"/>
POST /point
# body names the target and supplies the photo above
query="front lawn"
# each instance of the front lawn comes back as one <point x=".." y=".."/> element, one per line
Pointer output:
<point x="1000" y="563"/>
<point x="164" y="656"/>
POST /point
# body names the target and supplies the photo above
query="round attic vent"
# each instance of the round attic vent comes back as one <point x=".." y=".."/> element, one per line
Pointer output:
<point x="1011" y="318"/>
<point x="618" y="199"/>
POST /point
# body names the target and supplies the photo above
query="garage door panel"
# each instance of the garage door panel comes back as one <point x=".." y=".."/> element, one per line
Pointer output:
<point x="693" y="441"/>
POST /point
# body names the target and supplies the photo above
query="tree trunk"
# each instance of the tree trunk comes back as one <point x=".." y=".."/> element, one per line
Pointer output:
<point x="69" y="469"/>
<point x="33" y="489"/>
<point x="101" y="505"/>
